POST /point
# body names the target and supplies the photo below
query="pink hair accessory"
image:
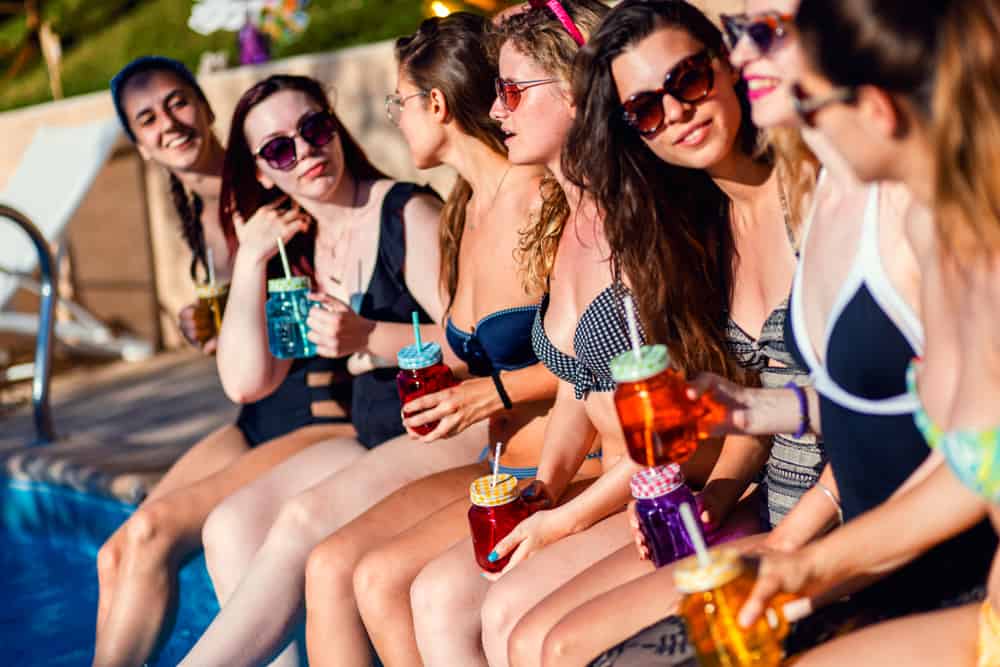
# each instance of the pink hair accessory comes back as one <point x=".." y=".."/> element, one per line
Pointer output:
<point x="563" y="17"/>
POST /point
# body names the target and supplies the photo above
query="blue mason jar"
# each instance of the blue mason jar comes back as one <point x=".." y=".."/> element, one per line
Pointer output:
<point x="287" y="308"/>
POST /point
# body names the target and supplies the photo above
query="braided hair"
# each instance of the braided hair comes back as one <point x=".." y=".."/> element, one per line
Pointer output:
<point x="189" y="209"/>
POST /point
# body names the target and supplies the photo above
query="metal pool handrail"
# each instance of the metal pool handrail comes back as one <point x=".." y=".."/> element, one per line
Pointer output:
<point x="44" y="432"/>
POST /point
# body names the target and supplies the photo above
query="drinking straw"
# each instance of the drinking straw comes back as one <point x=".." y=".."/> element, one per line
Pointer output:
<point x="694" y="532"/>
<point x="211" y="266"/>
<point x="284" y="258"/>
<point x="496" y="466"/>
<point x="416" y="329"/>
<point x="359" y="277"/>
<point x="633" y="327"/>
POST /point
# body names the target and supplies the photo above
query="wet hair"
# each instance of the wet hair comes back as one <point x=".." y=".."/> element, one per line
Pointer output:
<point x="243" y="194"/>
<point x="449" y="55"/>
<point x="965" y="131"/>
<point x="668" y="226"/>
<point x="538" y="34"/>
<point x="889" y="44"/>
<point x="188" y="207"/>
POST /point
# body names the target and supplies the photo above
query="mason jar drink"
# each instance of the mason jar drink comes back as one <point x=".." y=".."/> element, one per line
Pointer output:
<point x="713" y="596"/>
<point x="211" y="305"/>
<point x="496" y="510"/>
<point x="658" y="493"/>
<point x="422" y="372"/>
<point x="661" y="424"/>
<point x="287" y="309"/>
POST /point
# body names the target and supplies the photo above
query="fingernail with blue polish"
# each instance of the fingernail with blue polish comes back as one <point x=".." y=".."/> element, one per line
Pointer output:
<point x="493" y="557"/>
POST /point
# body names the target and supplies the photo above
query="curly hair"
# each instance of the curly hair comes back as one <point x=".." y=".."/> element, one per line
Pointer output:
<point x="538" y="33"/>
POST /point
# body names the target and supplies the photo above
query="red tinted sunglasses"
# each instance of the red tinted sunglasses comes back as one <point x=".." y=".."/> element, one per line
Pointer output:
<point x="690" y="81"/>
<point x="509" y="92"/>
<point x="764" y="30"/>
<point x="317" y="129"/>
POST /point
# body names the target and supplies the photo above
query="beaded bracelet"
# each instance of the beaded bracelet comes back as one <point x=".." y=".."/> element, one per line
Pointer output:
<point x="803" y="409"/>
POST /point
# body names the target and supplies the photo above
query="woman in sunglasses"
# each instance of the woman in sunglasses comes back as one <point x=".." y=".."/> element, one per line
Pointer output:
<point x="494" y="275"/>
<point x="166" y="114"/>
<point x="461" y="618"/>
<point x="293" y="172"/>
<point x="872" y="441"/>
<point x="932" y="124"/>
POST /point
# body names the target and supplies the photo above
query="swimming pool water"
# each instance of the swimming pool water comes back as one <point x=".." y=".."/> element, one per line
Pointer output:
<point x="49" y="537"/>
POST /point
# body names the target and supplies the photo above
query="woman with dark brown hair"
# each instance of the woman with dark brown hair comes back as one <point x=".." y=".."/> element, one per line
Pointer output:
<point x="699" y="224"/>
<point x="443" y="95"/>
<point x="167" y="115"/>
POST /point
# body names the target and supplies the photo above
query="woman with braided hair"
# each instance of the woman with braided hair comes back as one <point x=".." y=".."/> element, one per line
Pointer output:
<point x="167" y="115"/>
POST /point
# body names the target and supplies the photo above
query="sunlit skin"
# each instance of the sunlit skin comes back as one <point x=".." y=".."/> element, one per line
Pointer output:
<point x="422" y="136"/>
<point x="699" y="135"/>
<point x="766" y="75"/>
<point x="535" y="129"/>
<point x="171" y="125"/>
<point x="319" y="171"/>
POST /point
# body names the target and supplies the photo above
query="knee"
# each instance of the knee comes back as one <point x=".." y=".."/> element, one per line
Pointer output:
<point x="151" y="531"/>
<point x="435" y="596"/>
<point x="379" y="580"/>
<point x="498" y="615"/>
<point x="219" y="530"/>
<point x="524" y="645"/>
<point x="108" y="559"/>
<point x="329" y="570"/>
<point x="561" y="643"/>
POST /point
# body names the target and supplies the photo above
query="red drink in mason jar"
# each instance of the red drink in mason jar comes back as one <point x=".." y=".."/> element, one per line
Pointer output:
<point x="661" y="424"/>
<point x="496" y="510"/>
<point x="422" y="372"/>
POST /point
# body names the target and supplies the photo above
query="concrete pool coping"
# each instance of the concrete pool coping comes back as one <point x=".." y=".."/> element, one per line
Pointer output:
<point x="120" y="426"/>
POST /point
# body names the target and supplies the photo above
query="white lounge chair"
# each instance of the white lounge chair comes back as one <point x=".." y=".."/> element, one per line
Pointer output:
<point x="54" y="175"/>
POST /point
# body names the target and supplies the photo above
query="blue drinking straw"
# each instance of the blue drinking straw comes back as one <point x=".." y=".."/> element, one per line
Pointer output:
<point x="416" y="329"/>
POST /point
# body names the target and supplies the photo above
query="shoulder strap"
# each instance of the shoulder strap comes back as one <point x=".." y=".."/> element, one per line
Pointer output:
<point x="392" y="231"/>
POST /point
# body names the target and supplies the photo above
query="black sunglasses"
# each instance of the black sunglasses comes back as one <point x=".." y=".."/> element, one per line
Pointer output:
<point x="690" y="81"/>
<point x="764" y="30"/>
<point x="807" y="107"/>
<point x="317" y="129"/>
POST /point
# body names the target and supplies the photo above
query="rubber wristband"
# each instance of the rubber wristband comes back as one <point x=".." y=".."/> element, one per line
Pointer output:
<point x="803" y="409"/>
<point x="504" y="397"/>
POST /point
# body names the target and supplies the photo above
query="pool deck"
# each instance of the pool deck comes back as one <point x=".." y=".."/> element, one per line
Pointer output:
<point x="120" y="426"/>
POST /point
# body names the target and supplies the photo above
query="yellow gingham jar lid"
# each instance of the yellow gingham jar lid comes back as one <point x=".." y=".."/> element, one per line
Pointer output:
<point x="691" y="577"/>
<point x="484" y="493"/>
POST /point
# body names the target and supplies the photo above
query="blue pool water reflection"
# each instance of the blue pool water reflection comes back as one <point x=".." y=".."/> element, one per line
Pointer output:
<point x="49" y="537"/>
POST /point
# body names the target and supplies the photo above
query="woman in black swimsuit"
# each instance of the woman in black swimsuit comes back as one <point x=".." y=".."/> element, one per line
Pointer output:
<point x="166" y="114"/>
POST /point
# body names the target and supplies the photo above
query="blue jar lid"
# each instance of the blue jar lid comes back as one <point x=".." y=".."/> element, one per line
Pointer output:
<point x="411" y="358"/>
<point x="288" y="284"/>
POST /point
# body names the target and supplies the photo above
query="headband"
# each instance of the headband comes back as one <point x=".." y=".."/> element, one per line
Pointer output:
<point x="563" y="17"/>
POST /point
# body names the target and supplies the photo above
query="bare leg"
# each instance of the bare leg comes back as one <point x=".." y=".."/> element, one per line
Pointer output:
<point x="261" y="608"/>
<point x="211" y="454"/>
<point x="383" y="578"/>
<point x="335" y="634"/>
<point x="572" y="643"/>
<point x="524" y="646"/>
<point x="446" y="599"/>
<point x="239" y="526"/>
<point x="528" y="584"/>
<point x="589" y="629"/>
<point x="924" y="640"/>
<point x="153" y="541"/>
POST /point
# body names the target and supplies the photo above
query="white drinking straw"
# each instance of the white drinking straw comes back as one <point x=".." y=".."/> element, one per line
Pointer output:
<point x="633" y="327"/>
<point x="697" y="540"/>
<point x="496" y="466"/>
<point x="284" y="258"/>
<point x="211" y="266"/>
